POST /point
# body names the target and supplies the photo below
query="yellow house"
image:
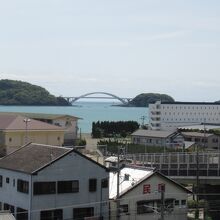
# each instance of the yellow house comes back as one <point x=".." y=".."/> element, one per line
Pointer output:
<point x="67" y="122"/>
<point x="16" y="130"/>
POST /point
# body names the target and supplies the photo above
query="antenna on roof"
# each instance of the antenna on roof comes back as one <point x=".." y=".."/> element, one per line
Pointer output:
<point x="26" y="120"/>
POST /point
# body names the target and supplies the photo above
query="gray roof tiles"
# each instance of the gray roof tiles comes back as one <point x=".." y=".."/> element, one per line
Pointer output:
<point x="32" y="157"/>
<point x="152" y="133"/>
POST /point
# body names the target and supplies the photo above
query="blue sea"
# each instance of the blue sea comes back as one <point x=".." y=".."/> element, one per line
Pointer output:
<point x="88" y="112"/>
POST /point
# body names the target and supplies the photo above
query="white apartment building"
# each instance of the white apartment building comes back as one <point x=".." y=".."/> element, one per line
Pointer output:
<point x="39" y="182"/>
<point x="170" y="116"/>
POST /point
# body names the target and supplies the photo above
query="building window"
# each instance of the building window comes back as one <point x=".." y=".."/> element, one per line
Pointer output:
<point x="10" y="139"/>
<point x="104" y="183"/>
<point x="56" y="214"/>
<point x="82" y="213"/>
<point x="1" y="180"/>
<point x="124" y="208"/>
<point x="7" y="180"/>
<point x="92" y="185"/>
<point x="145" y="207"/>
<point x="44" y="188"/>
<point x="22" y="214"/>
<point x="183" y="202"/>
<point x="22" y="186"/>
<point x="58" y="138"/>
<point x="71" y="186"/>
<point x="177" y="202"/>
<point x="215" y="140"/>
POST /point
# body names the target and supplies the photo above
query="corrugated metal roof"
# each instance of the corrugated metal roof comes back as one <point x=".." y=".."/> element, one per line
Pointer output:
<point x="4" y="215"/>
<point x="135" y="175"/>
<point x="196" y="134"/>
<point x="191" y="103"/>
<point x="200" y="127"/>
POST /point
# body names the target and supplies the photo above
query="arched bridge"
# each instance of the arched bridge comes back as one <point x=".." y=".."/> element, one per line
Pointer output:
<point x="88" y="95"/>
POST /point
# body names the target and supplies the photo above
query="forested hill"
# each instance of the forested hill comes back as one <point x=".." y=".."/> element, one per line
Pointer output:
<point x="144" y="99"/>
<point x="22" y="93"/>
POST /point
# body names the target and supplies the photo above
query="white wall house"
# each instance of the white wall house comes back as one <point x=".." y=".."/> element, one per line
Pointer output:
<point x="140" y="195"/>
<point x="156" y="138"/>
<point x="44" y="182"/>
<point x="170" y="116"/>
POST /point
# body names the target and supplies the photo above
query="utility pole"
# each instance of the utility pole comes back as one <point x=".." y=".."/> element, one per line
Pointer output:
<point x="26" y="120"/>
<point x="143" y="118"/>
<point x="118" y="183"/>
<point x="197" y="182"/>
<point x="162" y="191"/>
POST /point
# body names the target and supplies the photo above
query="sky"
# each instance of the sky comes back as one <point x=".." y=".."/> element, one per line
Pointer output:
<point x="123" y="47"/>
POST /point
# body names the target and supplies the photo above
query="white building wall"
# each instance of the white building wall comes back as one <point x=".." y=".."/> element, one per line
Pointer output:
<point x="72" y="167"/>
<point x="171" y="192"/>
<point x="70" y="125"/>
<point x="171" y="116"/>
<point x="9" y="193"/>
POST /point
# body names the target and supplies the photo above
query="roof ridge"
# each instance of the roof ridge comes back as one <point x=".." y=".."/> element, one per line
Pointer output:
<point x="23" y="146"/>
<point x="53" y="160"/>
<point x="51" y="146"/>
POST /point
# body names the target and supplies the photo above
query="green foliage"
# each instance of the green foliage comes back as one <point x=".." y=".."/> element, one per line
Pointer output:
<point x="81" y="142"/>
<point x="113" y="129"/>
<point x="112" y="147"/>
<point x="144" y="99"/>
<point x="201" y="204"/>
<point x="14" y="92"/>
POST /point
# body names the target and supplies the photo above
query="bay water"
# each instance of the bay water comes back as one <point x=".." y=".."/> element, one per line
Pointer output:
<point x="88" y="112"/>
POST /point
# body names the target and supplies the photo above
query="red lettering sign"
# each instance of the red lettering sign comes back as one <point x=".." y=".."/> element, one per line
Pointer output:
<point x="146" y="188"/>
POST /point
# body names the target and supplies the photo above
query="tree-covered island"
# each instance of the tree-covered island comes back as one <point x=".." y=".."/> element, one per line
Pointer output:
<point x="13" y="92"/>
<point x="144" y="99"/>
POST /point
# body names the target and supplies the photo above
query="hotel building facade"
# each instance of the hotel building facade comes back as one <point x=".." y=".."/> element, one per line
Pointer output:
<point x="170" y="116"/>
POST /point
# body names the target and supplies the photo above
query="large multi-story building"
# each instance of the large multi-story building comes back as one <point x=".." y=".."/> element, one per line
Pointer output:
<point x="170" y="116"/>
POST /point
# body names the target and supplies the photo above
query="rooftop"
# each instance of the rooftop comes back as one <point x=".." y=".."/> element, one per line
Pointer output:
<point x="39" y="115"/>
<point x="196" y="134"/>
<point x="200" y="127"/>
<point x="191" y="103"/>
<point x="5" y="215"/>
<point x="131" y="177"/>
<point x="152" y="133"/>
<point x="17" y="122"/>
<point x="134" y="175"/>
<point x="32" y="157"/>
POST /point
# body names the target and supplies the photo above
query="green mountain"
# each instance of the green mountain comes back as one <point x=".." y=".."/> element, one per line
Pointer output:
<point x="14" y="92"/>
<point x="144" y="99"/>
